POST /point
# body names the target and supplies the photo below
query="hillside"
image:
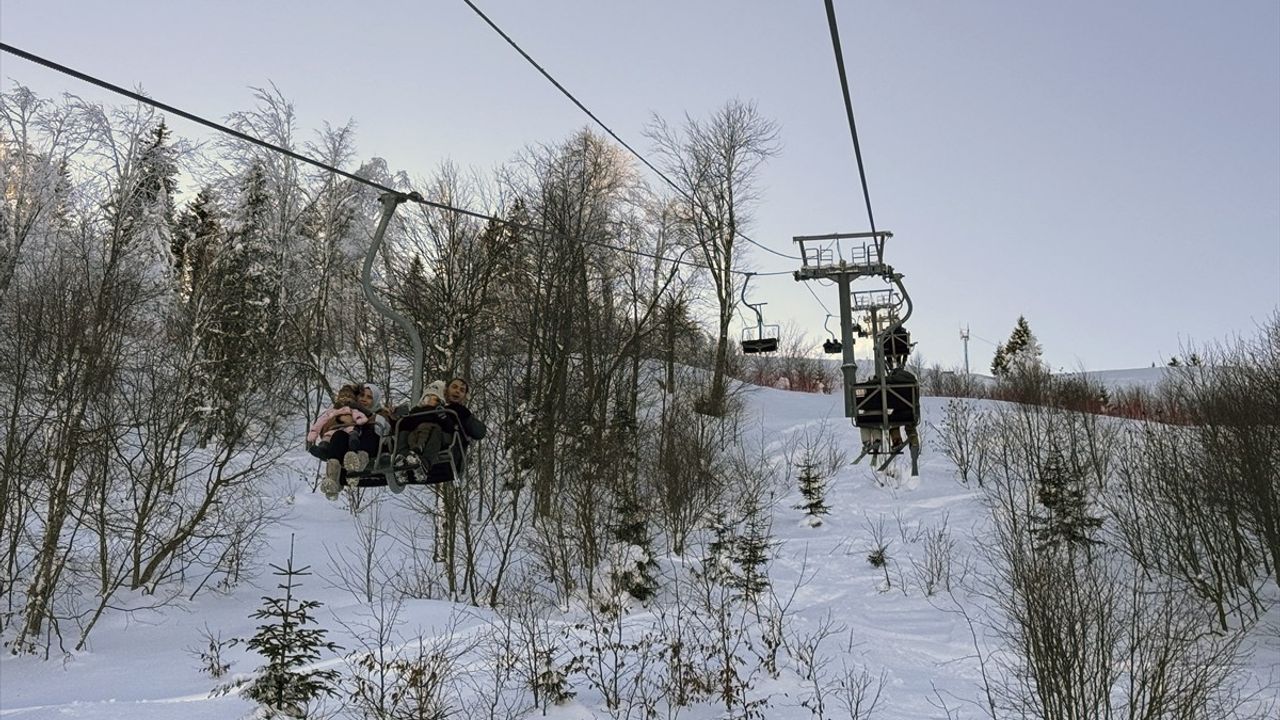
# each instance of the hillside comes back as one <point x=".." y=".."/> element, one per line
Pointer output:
<point x="139" y="667"/>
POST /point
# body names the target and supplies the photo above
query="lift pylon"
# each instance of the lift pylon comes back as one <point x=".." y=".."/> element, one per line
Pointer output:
<point x="885" y="406"/>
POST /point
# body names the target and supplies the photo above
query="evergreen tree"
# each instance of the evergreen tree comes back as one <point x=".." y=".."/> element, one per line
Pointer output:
<point x="751" y="554"/>
<point x="638" y="572"/>
<point x="288" y="644"/>
<point x="813" y="489"/>
<point x="239" y="327"/>
<point x="198" y="234"/>
<point x="141" y="207"/>
<point x="1020" y="354"/>
<point x="1062" y="493"/>
<point x="1000" y="362"/>
<point x="717" y="563"/>
<point x="1023" y="349"/>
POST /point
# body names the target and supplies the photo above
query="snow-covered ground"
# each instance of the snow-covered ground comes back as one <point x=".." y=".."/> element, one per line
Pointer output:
<point x="1137" y="377"/>
<point x="139" y="666"/>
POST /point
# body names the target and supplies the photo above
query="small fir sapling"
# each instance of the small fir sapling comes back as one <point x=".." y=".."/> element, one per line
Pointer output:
<point x="288" y="644"/>
<point x="813" y="488"/>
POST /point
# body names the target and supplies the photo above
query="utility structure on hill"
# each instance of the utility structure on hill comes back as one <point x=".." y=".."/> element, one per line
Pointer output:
<point x="886" y="406"/>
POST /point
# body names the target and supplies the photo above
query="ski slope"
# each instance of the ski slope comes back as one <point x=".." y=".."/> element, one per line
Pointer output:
<point x="138" y="667"/>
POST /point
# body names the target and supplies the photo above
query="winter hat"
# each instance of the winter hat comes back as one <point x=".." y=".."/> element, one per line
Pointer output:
<point x="436" y="388"/>
<point x="377" y="395"/>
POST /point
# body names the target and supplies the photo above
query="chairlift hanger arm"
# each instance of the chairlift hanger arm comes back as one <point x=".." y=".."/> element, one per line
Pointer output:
<point x="896" y="278"/>
<point x="390" y="201"/>
<point x="755" y="307"/>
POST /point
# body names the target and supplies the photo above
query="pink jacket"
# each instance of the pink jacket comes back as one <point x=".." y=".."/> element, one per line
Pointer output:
<point x="314" y="433"/>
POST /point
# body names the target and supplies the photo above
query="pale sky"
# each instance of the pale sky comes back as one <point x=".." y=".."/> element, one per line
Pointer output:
<point x="1108" y="168"/>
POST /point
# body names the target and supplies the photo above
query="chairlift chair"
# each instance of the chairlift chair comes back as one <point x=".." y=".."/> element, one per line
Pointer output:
<point x="762" y="338"/>
<point x="831" y="346"/>
<point x="886" y="407"/>
<point x="392" y="464"/>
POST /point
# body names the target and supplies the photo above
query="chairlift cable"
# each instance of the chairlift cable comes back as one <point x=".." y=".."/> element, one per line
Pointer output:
<point x="979" y="337"/>
<point x="413" y="196"/>
<point x="848" y="107"/>
<point x="600" y="122"/>
<point x="815" y="297"/>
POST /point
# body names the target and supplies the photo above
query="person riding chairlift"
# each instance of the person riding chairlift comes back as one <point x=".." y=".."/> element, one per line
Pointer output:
<point x="335" y="435"/>
<point x="427" y="436"/>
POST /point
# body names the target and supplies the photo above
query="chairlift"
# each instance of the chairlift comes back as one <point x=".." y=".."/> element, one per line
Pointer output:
<point x="762" y="338"/>
<point x="897" y="343"/>
<point x="886" y="407"/>
<point x="393" y="465"/>
<point x="831" y="346"/>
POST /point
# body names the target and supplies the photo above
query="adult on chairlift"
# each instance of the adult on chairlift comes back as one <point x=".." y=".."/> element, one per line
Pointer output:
<point x="427" y="433"/>
<point x="343" y="434"/>
<point x="455" y="399"/>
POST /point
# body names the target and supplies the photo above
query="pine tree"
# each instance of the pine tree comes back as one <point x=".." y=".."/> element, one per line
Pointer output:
<point x="751" y="554"/>
<point x="1000" y="362"/>
<point x="1020" y="354"/>
<point x="1062" y="493"/>
<point x="1023" y="349"/>
<point x="637" y="573"/>
<point x="238" y="333"/>
<point x="717" y="563"/>
<point x="282" y="687"/>
<point x="813" y="489"/>
<point x="141" y="208"/>
<point x="198" y="234"/>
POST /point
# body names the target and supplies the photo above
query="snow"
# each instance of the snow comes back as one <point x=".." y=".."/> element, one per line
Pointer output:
<point x="1146" y="378"/>
<point x="138" y="667"/>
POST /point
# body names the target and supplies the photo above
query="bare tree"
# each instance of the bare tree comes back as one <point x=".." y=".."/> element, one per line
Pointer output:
<point x="1087" y="632"/>
<point x="714" y="164"/>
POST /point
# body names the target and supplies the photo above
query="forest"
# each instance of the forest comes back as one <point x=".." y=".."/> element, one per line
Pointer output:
<point x="175" y="311"/>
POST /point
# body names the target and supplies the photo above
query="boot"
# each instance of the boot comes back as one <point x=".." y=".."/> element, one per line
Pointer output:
<point x="332" y="474"/>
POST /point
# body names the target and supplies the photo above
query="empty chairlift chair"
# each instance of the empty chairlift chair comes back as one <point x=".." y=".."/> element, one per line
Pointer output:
<point x="761" y="338"/>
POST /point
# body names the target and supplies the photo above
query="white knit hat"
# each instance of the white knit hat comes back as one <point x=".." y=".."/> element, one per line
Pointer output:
<point x="436" y="388"/>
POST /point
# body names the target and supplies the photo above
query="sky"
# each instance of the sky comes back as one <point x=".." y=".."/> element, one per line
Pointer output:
<point x="1109" y="170"/>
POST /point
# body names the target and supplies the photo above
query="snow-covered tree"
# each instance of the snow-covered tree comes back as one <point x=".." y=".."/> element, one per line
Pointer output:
<point x="1000" y="362"/>
<point x="142" y="209"/>
<point x="637" y="571"/>
<point x="1020" y="354"/>
<point x="238" y="316"/>
<point x="198" y="235"/>
<point x="751" y="551"/>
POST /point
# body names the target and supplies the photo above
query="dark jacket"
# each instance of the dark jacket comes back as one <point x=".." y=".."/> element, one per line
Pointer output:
<point x="472" y="427"/>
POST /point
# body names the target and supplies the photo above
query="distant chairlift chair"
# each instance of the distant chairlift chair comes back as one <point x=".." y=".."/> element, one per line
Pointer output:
<point x="831" y="346"/>
<point x="762" y="338"/>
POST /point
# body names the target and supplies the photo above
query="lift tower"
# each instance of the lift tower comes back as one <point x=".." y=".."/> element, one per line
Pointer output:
<point x="885" y="405"/>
